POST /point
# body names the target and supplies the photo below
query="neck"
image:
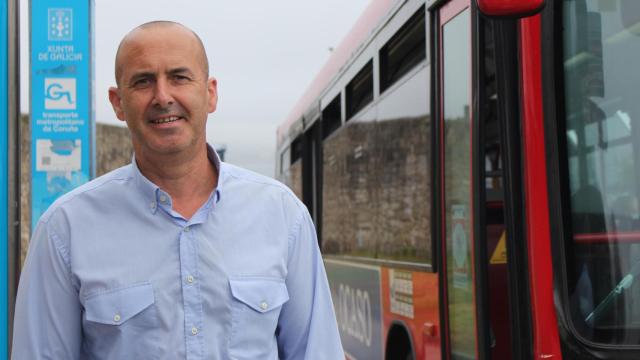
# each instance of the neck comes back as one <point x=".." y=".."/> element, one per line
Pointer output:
<point x="188" y="178"/>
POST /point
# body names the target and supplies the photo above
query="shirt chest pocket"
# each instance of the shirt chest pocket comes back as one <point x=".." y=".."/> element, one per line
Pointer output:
<point x="255" y="311"/>
<point x="121" y="318"/>
<point x="117" y="306"/>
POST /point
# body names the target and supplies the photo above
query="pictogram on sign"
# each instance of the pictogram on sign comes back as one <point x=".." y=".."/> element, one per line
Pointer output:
<point x="500" y="253"/>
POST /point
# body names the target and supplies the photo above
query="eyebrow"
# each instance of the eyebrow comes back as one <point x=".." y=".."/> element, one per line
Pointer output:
<point x="150" y="74"/>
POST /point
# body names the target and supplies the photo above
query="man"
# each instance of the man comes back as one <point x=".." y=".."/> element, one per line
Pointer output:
<point x="177" y="255"/>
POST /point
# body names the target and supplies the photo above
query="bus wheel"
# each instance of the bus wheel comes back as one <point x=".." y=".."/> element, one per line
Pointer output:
<point x="398" y="344"/>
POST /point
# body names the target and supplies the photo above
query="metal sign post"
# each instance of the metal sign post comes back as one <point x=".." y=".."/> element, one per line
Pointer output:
<point x="9" y="168"/>
<point x="4" y="171"/>
<point x="62" y="126"/>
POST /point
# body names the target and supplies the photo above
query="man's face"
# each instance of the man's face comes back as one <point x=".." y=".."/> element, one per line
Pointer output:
<point x="163" y="92"/>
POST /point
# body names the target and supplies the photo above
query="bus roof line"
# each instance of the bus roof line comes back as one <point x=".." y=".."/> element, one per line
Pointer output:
<point x="361" y="34"/>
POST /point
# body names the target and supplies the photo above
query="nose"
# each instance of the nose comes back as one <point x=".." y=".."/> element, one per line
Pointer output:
<point x="162" y="97"/>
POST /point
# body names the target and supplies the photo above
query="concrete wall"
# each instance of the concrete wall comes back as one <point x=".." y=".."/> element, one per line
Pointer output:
<point x="113" y="149"/>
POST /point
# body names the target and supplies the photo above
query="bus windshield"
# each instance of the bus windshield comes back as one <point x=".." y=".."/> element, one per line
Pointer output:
<point x="602" y="119"/>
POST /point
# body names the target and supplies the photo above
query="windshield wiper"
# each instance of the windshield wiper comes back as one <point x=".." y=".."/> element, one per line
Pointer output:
<point x="624" y="284"/>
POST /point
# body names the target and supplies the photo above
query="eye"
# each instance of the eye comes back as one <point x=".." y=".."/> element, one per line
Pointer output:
<point x="141" y="82"/>
<point x="179" y="78"/>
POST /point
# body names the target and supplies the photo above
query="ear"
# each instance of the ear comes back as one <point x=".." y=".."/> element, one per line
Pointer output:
<point x="212" y="90"/>
<point x="116" y="102"/>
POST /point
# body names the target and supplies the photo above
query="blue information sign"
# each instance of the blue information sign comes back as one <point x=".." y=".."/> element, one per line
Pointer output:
<point x="61" y="100"/>
<point x="4" y="176"/>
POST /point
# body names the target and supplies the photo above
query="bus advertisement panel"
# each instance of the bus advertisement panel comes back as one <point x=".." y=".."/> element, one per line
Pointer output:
<point x="355" y="290"/>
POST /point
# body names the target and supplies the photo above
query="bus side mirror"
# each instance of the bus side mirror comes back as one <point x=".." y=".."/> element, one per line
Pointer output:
<point x="510" y="8"/>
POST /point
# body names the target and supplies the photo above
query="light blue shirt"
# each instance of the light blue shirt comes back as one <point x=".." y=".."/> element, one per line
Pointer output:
<point x="114" y="273"/>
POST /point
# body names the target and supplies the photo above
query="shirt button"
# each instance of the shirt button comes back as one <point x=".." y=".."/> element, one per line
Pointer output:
<point x="194" y="330"/>
<point x="116" y="318"/>
<point x="152" y="205"/>
<point x="264" y="305"/>
<point x="187" y="229"/>
<point x="163" y="198"/>
<point x="189" y="279"/>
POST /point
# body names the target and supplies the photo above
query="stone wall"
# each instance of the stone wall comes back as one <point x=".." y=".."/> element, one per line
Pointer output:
<point x="113" y="149"/>
<point x="376" y="190"/>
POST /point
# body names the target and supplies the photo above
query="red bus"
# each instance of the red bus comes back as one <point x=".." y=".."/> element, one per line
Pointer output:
<point x="473" y="170"/>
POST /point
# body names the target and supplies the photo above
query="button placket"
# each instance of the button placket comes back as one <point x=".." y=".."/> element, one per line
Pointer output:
<point x="192" y="302"/>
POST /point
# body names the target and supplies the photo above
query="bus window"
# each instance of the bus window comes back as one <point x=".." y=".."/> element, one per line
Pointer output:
<point x="404" y="50"/>
<point x="376" y="175"/>
<point x="285" y="162"/>
<point x="376" y="189"/>
<point x="311" y="181"/>
<point x="457" y="180"/>
<point x="294" y="176"/>
<point x="602" y="112"/>
<point x="331" y="120"/>
<point x="359" y="91"/>
<point x="348" y="218"/>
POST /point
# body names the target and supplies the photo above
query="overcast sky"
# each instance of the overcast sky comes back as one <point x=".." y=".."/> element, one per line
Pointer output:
<point x="263" y="53"/>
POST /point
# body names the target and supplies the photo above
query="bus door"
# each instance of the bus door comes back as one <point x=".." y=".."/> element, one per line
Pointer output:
<point x="474" y="277"/>
<point x="455" y="177"/>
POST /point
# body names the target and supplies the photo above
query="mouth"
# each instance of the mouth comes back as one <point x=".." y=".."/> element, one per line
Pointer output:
<point x="165" y="120"/>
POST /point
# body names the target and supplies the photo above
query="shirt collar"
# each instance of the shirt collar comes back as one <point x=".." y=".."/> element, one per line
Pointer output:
<point x="214" y="158"/>
<point x="153" y="194"/>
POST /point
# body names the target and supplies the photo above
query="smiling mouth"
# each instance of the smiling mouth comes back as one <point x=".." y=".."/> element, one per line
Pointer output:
<point x="165" y="120"/>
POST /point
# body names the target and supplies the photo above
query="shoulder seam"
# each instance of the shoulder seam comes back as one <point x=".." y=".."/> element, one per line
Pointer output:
<point x="294" y="228"/>
<point x="72" y="197"/>
<point x="63" y="251"/>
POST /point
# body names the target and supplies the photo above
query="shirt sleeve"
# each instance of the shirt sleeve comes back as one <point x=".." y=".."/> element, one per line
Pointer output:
<point x="307" y="324"/>
<point x="47" y="322"/>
